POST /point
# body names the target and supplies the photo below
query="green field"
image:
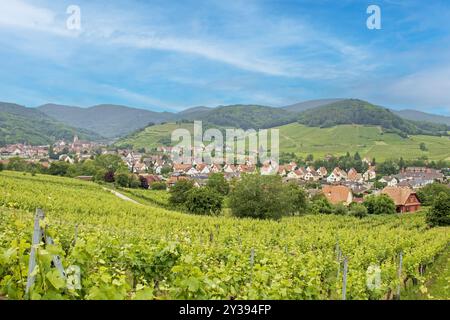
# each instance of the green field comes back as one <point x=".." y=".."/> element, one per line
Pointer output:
<point x="142" y="251"/>
<point x="368" y="141"/>
<point x="302" y="140"/>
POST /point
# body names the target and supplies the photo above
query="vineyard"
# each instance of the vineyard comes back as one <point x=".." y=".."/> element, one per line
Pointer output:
<point x="130" y="251"/>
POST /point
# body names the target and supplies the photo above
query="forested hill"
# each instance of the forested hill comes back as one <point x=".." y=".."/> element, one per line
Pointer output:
<point x="354" y="111"/>
<point x="19" y="124"/>
<point x="248" y="116"/>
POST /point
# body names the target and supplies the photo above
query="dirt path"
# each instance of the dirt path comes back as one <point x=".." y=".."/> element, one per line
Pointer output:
<point x="121" y="196"/>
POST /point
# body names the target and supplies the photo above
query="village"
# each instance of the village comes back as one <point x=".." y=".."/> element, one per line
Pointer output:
<point x="338" y="185"/>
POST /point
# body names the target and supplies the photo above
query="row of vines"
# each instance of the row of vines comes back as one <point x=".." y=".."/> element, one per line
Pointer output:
<point x="129" y="251"/>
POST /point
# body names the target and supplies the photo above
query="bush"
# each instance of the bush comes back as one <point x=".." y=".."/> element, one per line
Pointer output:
<point x="439" y="214"/>
<point x="109" y="176"/>
<point x="1" y="166"/>
<point x="178" y="193"/>
<point x="143" y="182"/>
<point x="321" y="205"/>
<point x="203" y="201"/>
<point x="122" y="180"/>
<point x="217" y="182"/>
<point x="261" y="197"/>
<point x="158" y="186"/>
<point x="340" y="209"/>
<point x="429" y="193"/>
<point x="134" y="182"/>
<point x="297" y="199"/>
<point x="358" y="210"/>
<point x="381" y="204"/>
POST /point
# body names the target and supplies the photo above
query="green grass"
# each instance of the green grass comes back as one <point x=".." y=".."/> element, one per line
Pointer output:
<point x="369" y="141"/>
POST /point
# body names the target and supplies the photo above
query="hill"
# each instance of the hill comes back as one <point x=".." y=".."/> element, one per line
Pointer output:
<point x="370" y="141"/>
<point x="422" y="116"/>
<point x="19" y="124"/>
<point x="354" y="111"/>
<point x="106" y="120"/>
<point x="310" y="104"/>
<point x="248" y="116"/>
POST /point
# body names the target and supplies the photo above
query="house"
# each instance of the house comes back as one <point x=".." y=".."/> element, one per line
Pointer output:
<point x="312" y="175"/>
<point x="405" y="199"/>
<point x="230" y="168"/>
<point x="310" y="169"/>
<point x="215" y="168"/>
<point x="370" y="174"/>
<point x="66" y="158"/>
<point x="203" y="169"/>
<point x="336" y="176"/>
<point x="296" y="174"/>
<point x="192" y="172"/>
<point x="151" y="178"/>
<point x="390" y="181"/>
<point x="282" y="171"/>
<point x="322" y="172"/>
<point x="181" y="168"/>
<point x="268" y="169"/>
<point x="246" y="168"/>
<point x="338" y="194"/>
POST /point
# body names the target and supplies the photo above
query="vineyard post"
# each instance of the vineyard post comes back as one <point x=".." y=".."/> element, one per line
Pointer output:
<point x="344" y="281"/>
<point x="399" y="274"/>
<point x="37" y="236"/>
<point x="56" y="259"/>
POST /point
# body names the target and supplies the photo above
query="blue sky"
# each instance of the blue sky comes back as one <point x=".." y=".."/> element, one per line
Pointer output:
<point x="170" y="55"/>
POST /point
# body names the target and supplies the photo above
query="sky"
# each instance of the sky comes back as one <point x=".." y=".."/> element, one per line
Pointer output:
<point x="171" y="55"/>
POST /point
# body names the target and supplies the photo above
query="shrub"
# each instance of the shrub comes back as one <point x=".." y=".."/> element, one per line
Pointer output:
<point x="1" y="166"/>
<point x="439" y="213"/>
<point x="217" y="182"/>
<point x="358" y="210"/>
<point x="109" y="176"/>
<point x="257" y="196"/>
<point x="296" y="198"/>
<point x="429" y="193"/>
<point x="122" y="180"/>
<point x="178" y="193"/>
<point x="143" y="182"/>
<point x="381" y="204"/>
<point x="158" y="186"/>
<point x="203" y="201"/>
<point x="340" y="209"/>
<point x="321" y="205"/>
<point x="134" y="182"/>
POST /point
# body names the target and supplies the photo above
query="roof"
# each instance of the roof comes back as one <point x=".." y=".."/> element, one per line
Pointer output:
<point x="336" y="194"/>
<point x="399" y="195"/>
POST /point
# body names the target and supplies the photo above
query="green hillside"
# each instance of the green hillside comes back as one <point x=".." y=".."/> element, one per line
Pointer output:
<point x="152" y="136"/>
<point x="369" y="141"/>
<point x="19" y="124"/>
<point x="354" y="111"/>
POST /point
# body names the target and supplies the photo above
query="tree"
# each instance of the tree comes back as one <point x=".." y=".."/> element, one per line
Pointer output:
<point x="1" y="166"/>
<point x="358" y="210"/>
<point x="143" y="182"/>
<point x="158" y="186"/>
<point x="59" y="168"/>
<point x="321" y="205"/>
<point x="298" y="200"/>
<point x="109" y="176"/>
<point x="122" y="180"/>
<point x="423" y="146"/>
<point x="17" y="164"/>
<point x="428" y="194"/>
<point x="379" y="185"/>
<point x="217" y="182"/>
<point x="261" y="197"/>
<point x="340" y="209"/>
<point x="439" y="214"/>
<point x="178" y="193"/>
<point x="203" y="201"/>
<point x="381" y="204"/>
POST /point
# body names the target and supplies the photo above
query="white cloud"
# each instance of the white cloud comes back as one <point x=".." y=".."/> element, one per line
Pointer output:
<point x="428" y="88"/>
